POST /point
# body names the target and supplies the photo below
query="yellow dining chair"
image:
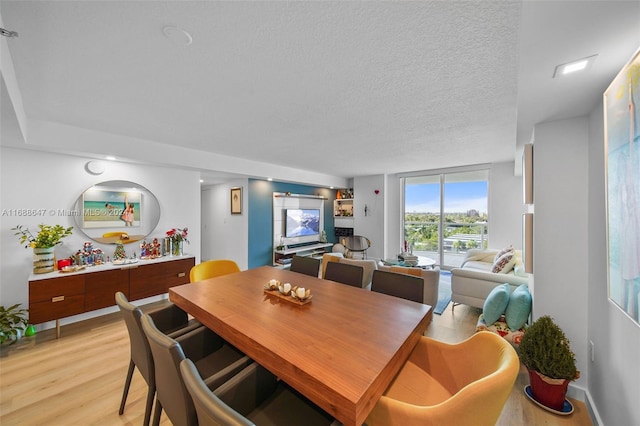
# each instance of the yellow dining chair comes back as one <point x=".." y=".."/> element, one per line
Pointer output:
<point x="463" y="384"/>
<point x="212" y="268"/>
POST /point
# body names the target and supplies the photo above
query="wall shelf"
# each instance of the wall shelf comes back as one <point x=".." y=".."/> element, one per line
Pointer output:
<point x="286" y="195"/>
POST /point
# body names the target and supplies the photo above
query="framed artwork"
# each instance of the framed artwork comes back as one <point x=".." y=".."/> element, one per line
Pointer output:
<point x="236" y="200"/>
<point x="111" y="208"/>
<point x="622" y="165"/>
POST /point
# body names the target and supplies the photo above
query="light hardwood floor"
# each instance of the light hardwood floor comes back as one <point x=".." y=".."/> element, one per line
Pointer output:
<point x="78" y="379"/>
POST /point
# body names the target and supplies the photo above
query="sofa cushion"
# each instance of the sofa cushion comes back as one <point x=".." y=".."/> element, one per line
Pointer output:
<point x="496" y="303"/>
<point x="416" y="272"/>
<point x="519" y="307"/>
<point x="504" y="264"/>
<point x="518" y="269"/>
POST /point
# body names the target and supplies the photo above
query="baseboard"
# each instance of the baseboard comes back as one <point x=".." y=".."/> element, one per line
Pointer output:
<point x="583" y="395"/>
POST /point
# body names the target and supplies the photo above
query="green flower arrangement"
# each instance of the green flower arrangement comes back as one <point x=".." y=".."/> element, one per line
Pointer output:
<point x="48" y="235"/>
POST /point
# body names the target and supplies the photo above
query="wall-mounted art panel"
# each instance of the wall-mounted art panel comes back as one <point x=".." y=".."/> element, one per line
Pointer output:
<point x="622" y="157"/>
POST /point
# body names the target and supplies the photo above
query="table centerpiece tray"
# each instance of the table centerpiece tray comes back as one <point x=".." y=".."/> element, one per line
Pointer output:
<point x="294" y="300"/>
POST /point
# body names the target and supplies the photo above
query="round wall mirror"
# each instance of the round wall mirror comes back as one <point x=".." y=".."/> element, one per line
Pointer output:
<point x="117" y="210"/>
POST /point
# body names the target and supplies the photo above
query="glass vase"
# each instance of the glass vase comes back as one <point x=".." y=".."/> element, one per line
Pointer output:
<point x="177" y="248"/>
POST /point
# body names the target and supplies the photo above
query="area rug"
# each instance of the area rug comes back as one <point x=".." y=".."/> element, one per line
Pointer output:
<point x="444" y="292"/>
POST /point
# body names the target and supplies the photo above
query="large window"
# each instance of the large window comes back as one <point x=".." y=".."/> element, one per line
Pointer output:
<point x="445" y="215"/>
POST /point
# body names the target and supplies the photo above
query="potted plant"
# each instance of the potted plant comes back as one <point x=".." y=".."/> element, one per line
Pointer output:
<point x="546" y="352"/>
<point x="13" y="321"/>
<point x="43" y="244"/>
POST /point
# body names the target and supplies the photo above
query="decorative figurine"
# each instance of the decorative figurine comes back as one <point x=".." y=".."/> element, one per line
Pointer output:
<point x="120" y="253"/>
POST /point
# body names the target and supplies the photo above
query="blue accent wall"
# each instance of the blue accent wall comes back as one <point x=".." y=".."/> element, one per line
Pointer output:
<point x="260" y="201"/>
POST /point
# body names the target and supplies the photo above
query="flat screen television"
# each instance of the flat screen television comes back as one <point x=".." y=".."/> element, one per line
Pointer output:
<point x="301" y="222"/>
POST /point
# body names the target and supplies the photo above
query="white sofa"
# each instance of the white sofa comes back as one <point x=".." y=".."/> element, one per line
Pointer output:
<point x="473" y="281"/>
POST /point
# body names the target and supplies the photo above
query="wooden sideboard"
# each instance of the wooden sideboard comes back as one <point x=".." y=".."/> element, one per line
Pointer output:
<point x="56" y="295"/>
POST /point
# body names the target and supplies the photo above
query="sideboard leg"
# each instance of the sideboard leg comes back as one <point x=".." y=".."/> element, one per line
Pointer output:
<point x="57" y="329"/>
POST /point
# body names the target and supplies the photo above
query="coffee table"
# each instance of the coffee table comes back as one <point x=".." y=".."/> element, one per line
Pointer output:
<point x="423" y="262"/>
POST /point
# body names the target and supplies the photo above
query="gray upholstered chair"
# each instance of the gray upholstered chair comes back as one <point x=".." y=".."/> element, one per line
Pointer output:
<point x="344" y="273"/>
<point x="399" y="285"/>
<point x="215" y="359"/>
<point x="170" y="320"/>
<point x="431" y="279"/>
<point x="306" y="265"/>
<point x="252" y="397"/>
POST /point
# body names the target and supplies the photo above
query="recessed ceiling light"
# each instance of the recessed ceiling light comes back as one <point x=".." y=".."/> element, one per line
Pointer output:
<point x="574" y="66"/>
<point x="110" y="157"/>
<point x="177" y="35"/>
<point x="269" y="179"/>
<point x="201" y="180"/>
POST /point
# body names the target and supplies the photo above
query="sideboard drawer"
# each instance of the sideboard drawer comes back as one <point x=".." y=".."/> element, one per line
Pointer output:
<point x="56" y="307"/>
<point x="178" y="272"/>
<point x="100" y="288"/>
<point x="147" y="280"/>
<point x="45" y="290"/>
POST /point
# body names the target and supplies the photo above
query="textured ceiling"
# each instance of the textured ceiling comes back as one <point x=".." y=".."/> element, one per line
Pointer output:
<point x="339" y="88"/>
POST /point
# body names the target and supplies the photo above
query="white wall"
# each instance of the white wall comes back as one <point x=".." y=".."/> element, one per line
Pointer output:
<point x="52" y="182"/>
<point x="505" y="206"/>
<point x="225" y="235"/>
<point x="371" y="225"/>
<point x="614" y="376"/>
<point x="393" y="223"/>
<point x="561" y="234"/>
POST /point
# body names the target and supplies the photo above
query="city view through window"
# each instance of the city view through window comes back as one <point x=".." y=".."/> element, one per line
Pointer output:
<point x="445" y="215"/>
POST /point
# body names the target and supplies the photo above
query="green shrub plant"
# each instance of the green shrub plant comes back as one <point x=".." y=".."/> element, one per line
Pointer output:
<point x="545" y="348"/>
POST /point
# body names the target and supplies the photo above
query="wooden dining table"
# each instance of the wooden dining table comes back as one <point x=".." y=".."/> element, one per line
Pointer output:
<point x="341" y="350"/>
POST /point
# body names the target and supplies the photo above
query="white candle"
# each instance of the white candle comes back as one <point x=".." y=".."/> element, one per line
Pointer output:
<point x="287" y="288"/>
<point x="300" y="292"/>
<point x="272" y="282"/>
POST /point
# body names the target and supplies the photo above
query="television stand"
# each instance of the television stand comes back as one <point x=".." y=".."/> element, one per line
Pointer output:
<point x="283" y="257"/>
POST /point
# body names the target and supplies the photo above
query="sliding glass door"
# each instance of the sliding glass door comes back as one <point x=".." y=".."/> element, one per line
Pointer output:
<point x="445" y="215"/>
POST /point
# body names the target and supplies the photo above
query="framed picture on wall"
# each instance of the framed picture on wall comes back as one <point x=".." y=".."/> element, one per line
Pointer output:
<point x="622" y="163"/>
<point x="111" y="208"/>
<point x="236" y="200"/>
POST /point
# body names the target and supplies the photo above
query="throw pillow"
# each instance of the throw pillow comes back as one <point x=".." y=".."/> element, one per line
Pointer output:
<point x="518" y="308"/>
<point x="504" y="264"/>
<point x="507" y="249"/>
<point x="416" y="272"/>
<point x="496" y="303"/>
<point x="518" y="270"/>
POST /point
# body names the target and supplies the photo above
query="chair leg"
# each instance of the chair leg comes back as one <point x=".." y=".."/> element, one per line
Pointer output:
<point x="127" y="383"/>
<point x="147" y="411"/>
<point x="157" y="413"/>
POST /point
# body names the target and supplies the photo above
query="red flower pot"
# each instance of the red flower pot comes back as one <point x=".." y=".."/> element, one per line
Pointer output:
<point x="547" y="391"/>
